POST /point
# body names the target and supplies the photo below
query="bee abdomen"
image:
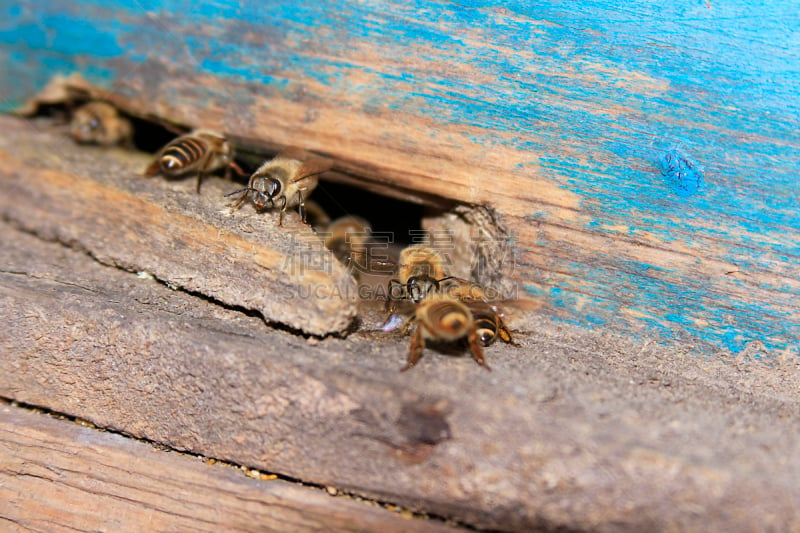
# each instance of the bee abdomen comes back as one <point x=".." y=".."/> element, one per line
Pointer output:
<point x="181" y="155"/>
<point x="486" y="328"/>
<point x="451" y="320"/>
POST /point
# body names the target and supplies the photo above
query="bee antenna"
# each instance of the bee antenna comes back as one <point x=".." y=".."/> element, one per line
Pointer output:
<point x="246" y="189"/>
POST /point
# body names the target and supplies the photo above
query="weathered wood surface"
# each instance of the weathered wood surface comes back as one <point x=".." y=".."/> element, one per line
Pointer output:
<point x="554" y="114"/>
<point x="56" y="475"/>
<point x="571" y="429"/>
<point x="194" y="242"/>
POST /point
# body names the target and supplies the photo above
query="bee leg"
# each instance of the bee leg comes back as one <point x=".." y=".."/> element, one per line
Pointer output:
<point x="475" y="347"/>
<point x="406" y="327"/>
<point x="236" y="168"/>
<point x="415" y="352"/>
<point x="301" y="205"/>
<point x="390" y="299"/>
<point x="201" y="174"/>
<point x="504" y="333"/>
<point x="241" y="201"/>
<point x="302" y="210"/>
<point x="283" y="209"/>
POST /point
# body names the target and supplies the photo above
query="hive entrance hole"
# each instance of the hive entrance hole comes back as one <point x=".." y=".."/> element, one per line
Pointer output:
<point x="398" y="221"/>
<point x="472" y="241"/>
<point x="475" y="243"/>
<point x="150" y="136"/>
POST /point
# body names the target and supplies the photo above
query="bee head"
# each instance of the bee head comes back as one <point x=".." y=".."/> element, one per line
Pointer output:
<point x="419" y="287"/>
<point x="85" y="128"/>
<point x="266" y="190"/>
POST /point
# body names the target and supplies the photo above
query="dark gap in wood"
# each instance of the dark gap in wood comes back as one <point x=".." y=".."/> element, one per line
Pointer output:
<point x="338" y="196"/>
<point x="400" y="220"/>
<point x="478" y="242"/>
<point x="245" y="311"/>
<point x="149" y="134"/>
<point x="417" y="515"/>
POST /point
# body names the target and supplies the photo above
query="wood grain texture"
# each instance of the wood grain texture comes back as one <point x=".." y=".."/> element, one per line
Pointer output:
<point x="570" y="430"/>
<point x="58" y="476"/>
<point x="558" y="116"/>
<point x="196" y="243"/>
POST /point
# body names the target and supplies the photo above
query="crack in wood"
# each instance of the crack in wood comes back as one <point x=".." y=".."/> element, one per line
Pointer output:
<point x="328" y="489"/>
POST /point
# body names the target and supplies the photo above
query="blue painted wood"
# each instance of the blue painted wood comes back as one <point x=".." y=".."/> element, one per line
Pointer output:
<point x="645" y="155"/>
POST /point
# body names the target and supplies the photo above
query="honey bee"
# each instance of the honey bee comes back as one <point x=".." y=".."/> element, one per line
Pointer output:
<point x="420" y="271"/>
<point x="348" y="237"/>
<point x="283" y="182"/>
<point x="488" y="317"/>
<point x="197" y="152"/>
<point x="100" y="123"/>
<point x="442" y="318"/>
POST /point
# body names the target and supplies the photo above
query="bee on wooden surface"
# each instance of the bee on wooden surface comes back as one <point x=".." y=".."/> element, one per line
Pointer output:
<point x="442" y="318"/>
<point x="283" y="182"/>
<point x="420" y="270"/>
<point x="198" y="152"/>
<point x="100" y="123"/>
<point x="488" y="317"/>
<point x="348" y="237"/>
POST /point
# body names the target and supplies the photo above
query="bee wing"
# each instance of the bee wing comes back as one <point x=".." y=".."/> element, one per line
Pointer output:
<point x="508" y="309"/>
<point x="292" y="152"/>
<point x="464" y="289"/>
<point x="382" y="265"/>
<point x="393" y="322"/>
<point x="314" y="167"/>
<point x="311" y="164"/>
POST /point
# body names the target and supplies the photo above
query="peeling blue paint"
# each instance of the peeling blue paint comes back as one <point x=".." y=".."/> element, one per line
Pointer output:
<point x="599" y="94"/>
<point x="682" y="174"/>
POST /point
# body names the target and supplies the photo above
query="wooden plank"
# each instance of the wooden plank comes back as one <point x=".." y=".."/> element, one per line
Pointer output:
<point x="56" y="475"/>
<point x="570" y="430"/>
<point x="196" y="243"/>
<point x="556" y="116"/>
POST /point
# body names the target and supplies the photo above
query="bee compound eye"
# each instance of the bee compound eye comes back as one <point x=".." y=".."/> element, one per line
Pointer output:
<point x="414" y="290"/>
<point x="272" y="188"/>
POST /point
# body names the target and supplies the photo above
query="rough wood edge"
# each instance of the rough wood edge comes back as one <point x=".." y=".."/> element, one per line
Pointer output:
<point x="122" y="229"/>
<point x="57" y="475"/>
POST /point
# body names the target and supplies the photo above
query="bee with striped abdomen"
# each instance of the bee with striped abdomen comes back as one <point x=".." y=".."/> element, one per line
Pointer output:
<point x="283" y="182"/>
<point x="100" y="123"/>
<point x="441" y="318"/>
<point x="488" y="317"/>
<point x="198" y="152"/>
